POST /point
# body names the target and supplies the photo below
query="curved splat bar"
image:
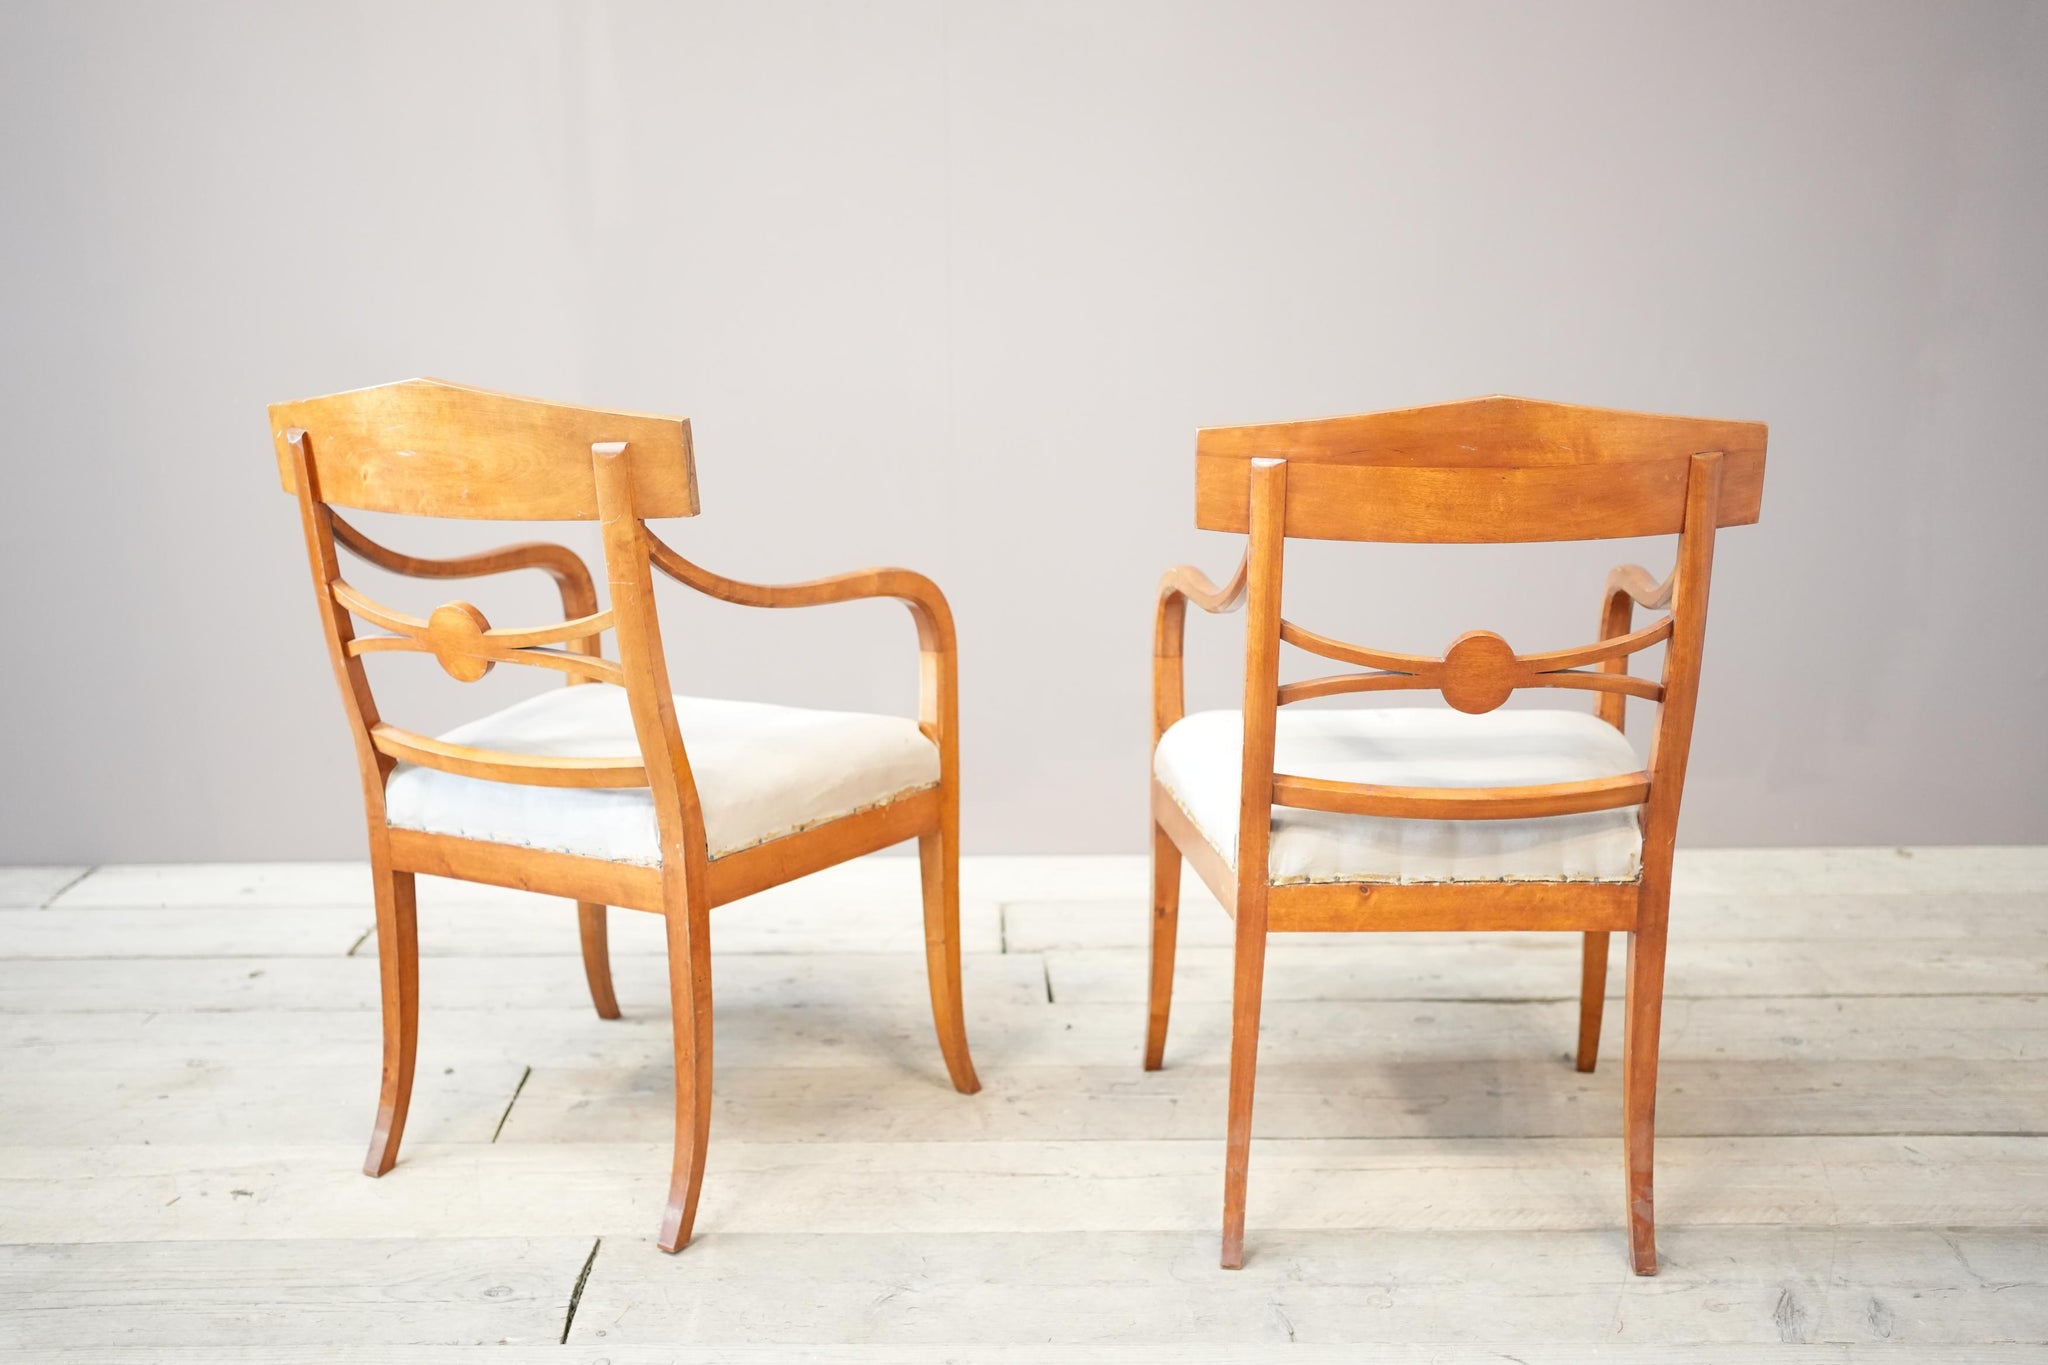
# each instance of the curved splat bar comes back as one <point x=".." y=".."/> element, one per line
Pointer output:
<point x="1419" y="665"/>
<point x="558" y="562"/>
<point x="1334" y="684"/>
<point x="1622" y="684"/>
<point x="561" y="660"/>
<point x="1616" y="647"/>
<point x="1462" y="803"/>
<point x="1478" y="672"/>
<point x="461" y="639"/>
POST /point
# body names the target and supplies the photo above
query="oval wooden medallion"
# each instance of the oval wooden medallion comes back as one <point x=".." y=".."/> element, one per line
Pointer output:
<point x="455" y="632"/>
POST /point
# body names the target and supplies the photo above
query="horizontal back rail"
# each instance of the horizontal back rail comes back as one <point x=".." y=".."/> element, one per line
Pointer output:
<point x="1482" y="471"/>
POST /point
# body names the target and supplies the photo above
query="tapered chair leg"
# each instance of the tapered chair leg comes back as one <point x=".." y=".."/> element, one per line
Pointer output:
<point x="1592" y="998"/>
<point x="938" y="858"/>
<point x="398" y="975"/>
<point x="1643" y="1019"/>
<point x="1165" y="930"/>
<point x="597" y="957"/>
<point x="1248" y="984"/>
<point x="689" y="990"/>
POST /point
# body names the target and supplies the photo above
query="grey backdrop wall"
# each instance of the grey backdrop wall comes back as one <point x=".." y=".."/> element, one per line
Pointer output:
<point x="952" y="285"/>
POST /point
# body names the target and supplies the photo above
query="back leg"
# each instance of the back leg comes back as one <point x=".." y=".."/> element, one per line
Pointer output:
<point x="597" y="958"/>
<point x="1592" y="998"/>
<point x="398" y="976"/>
<point x="939" y="864"/>
<point x="1165" y="930"/>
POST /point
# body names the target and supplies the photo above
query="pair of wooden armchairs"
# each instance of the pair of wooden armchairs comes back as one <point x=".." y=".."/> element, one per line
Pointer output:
<point x="1391" y="819"/>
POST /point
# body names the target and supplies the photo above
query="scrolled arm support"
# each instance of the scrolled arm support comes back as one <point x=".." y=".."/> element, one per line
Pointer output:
<point x="1182" y="585"/>
<point x="1628" y="586"/>
<point x="1636" y="583"/>
<point x="938" y="671"/>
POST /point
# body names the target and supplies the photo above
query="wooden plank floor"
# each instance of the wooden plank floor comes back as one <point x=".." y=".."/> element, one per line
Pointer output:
<point x="1854" y="1115"/>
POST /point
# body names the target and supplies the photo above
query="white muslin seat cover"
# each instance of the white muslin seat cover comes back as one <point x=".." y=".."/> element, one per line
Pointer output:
<point x="761" y="771"/>
<point x="1200" y="759"/>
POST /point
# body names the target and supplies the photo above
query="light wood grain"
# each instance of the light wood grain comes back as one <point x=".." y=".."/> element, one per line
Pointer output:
<point x="852" y="1199"/>
<point x="425" y="447"/>
<point x="461" y="984"/>
<point x="188" y="1193"/>
<point x="299" y="1292"/>
<point x="1520" y="967"/>
<point x="1038" y="925"/>
<point x="1546" y="966"/>
<point x="34" y="886"/>
<point x="1485" y="469"/>
<point x="228" y="1103"/>
<point x="1538" y="1094"/>
<point x="599" y="1352"/>
<point x="889" y="1031"/>
<point x="1698" y="874"/>
<point x="214" y="932"/>
<point x="1754" y="1286"/>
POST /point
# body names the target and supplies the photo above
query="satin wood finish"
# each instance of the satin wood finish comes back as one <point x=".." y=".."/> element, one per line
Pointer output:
<point x="1482" y="471"/>
<point x="1487" y="470"/>
<point x="427" y="448"/>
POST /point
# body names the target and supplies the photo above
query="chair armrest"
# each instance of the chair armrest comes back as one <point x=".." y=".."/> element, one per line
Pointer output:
<point x="1184" y="584"/>
<point x="939" y="662"/>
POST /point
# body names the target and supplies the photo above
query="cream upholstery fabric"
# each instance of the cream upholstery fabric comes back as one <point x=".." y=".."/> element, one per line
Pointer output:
<point x="1199" y="762"/>
<point x="761" y="771"/>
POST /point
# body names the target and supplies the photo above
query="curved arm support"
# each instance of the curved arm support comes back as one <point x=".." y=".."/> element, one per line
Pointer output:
<point x="1182" y="585"/>
<point x="1640" y="586"/>
<point x="1628" y="586"/>
<point x="559" y="562"/>
<point x="938" y="672"/>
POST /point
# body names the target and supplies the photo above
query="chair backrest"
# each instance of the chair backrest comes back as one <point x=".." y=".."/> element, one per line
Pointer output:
<point x="1482" y="471"/>
<point x="428" y="448"/>
<point x="1486" y="470"/>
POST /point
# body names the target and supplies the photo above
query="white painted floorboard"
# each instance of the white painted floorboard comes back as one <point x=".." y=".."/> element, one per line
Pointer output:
<point x="1854" y="1111"/>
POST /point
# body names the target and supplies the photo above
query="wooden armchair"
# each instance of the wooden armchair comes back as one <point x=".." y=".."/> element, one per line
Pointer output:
<point x="1407" y="819"/>
<point x="590" y="792"/>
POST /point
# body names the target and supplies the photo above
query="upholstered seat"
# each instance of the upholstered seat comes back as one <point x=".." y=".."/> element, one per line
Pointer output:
<point x="761" y="772"/>
<point x="1200" y="761"/>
